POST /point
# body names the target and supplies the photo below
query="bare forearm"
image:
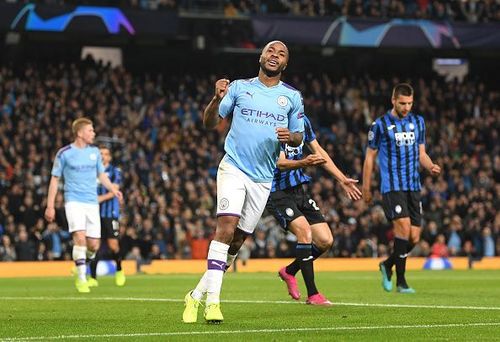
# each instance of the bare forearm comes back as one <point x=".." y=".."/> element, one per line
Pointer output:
<point x="426" y="161"/>
<point x="367" y="173"/>
<point x="331" y="168"/>
<point x="104" y="179"/>
<point x="295" y="139"/>
<point x="105" y="197"/>
<point x="211" y="113"/>
<point x="52" y="192"/>
<point x="287" y="164"/>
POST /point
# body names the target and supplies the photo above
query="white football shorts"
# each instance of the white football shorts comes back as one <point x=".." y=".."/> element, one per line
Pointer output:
<point x="84" y="216"/>
<point x="238" y="195"/>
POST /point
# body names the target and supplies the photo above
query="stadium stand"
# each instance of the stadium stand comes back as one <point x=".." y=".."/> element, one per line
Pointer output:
<point x="472" y="11"/>
<point x="152" y="123"/>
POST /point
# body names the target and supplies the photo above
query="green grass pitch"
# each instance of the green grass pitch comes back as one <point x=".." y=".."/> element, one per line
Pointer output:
<point x="448" y="305"/>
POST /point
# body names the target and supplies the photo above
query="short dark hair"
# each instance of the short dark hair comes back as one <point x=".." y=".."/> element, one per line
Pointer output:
<point x="402" y="89"/>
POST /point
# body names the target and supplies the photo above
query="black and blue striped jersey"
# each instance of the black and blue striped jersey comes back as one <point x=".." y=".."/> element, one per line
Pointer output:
<point x="110" y="208"/>
<point x="397" y="141"/>
<point x="290" y="178"/>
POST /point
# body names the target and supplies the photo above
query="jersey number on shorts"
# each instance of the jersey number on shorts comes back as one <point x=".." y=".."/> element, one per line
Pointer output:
<point x="313" y="204"/>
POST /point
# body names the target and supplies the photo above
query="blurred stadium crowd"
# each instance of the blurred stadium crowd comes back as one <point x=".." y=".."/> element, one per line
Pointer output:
<point x="461" y="10"/>
<point x="152" y="124"/>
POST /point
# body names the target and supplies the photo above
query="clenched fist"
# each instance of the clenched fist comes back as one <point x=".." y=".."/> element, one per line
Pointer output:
<point x="221" y="87"/>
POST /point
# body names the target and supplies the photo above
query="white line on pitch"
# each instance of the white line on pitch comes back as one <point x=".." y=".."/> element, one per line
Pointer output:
<point x="253" y="331"/>
<point x="236" y="301"/>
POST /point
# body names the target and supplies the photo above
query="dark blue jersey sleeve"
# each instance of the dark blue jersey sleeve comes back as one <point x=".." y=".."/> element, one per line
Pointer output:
<point x="374" y="135"/>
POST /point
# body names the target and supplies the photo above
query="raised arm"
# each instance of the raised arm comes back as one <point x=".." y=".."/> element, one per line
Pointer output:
<point x="211" y="114"/>
<point x="293" y="139"/>
<point x="293" y="134"/>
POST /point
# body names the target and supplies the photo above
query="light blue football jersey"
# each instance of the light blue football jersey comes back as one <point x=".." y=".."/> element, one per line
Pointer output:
<point x="252" y="144"/>
<point x="79" y="168"/>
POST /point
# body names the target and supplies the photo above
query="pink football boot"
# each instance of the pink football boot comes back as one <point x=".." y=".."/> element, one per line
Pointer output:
<point x="318" y="299"/>
<point x="291" y="283"/>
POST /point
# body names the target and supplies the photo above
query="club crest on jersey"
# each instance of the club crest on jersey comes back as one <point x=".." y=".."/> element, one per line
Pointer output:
<point x="93" y="156"/>
<point x="412" y="126"/>
<point x="223" y="203"/>
<point x="282" y="100"/>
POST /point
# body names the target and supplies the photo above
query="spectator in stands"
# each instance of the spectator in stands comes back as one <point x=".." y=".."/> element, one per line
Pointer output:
<point x="464" y="10"/>
<point x="56" y="240"/>
<point x="439" y="248"/>
<point x="454" y="236"/>
<point x="7" y="249"/>
<point x="25" y="248"/>
<point x="162" y="177"/>
<point x="488" y="243"/>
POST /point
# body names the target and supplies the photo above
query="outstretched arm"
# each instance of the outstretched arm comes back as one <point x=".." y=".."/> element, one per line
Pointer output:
<point x="290" y="164"/>
<point x="211" y="114"/>
<point x="348" y="184"/>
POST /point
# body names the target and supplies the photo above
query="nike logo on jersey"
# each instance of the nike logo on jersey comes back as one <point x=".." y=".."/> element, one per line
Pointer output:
<point x="310" y="257"/>
<point x="391" y="127"/>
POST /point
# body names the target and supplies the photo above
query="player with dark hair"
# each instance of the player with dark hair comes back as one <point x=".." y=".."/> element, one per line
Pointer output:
<point x="110" y="215"/>
<point x="265" y="113"/>
<point x="297" y="211"/>
<point x="398" y="137"/>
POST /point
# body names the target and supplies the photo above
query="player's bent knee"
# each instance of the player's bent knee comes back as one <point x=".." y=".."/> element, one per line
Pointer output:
<point x="224" y="234"/>
<point x="238" y="240"/>
<point x="79" y="238"/>
<point x="226" y="226"/>
<point x="93" y="245"/>
<point x="113" y="245"/>
<point x="415" y="239"/>
<point x="325" y="244"/>
<point x="303" y="234"/>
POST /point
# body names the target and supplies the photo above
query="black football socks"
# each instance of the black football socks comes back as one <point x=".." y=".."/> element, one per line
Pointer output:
<point x="294" y="267"/>
<point x="305" y="258"/>
<point x="400" y="255"/>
